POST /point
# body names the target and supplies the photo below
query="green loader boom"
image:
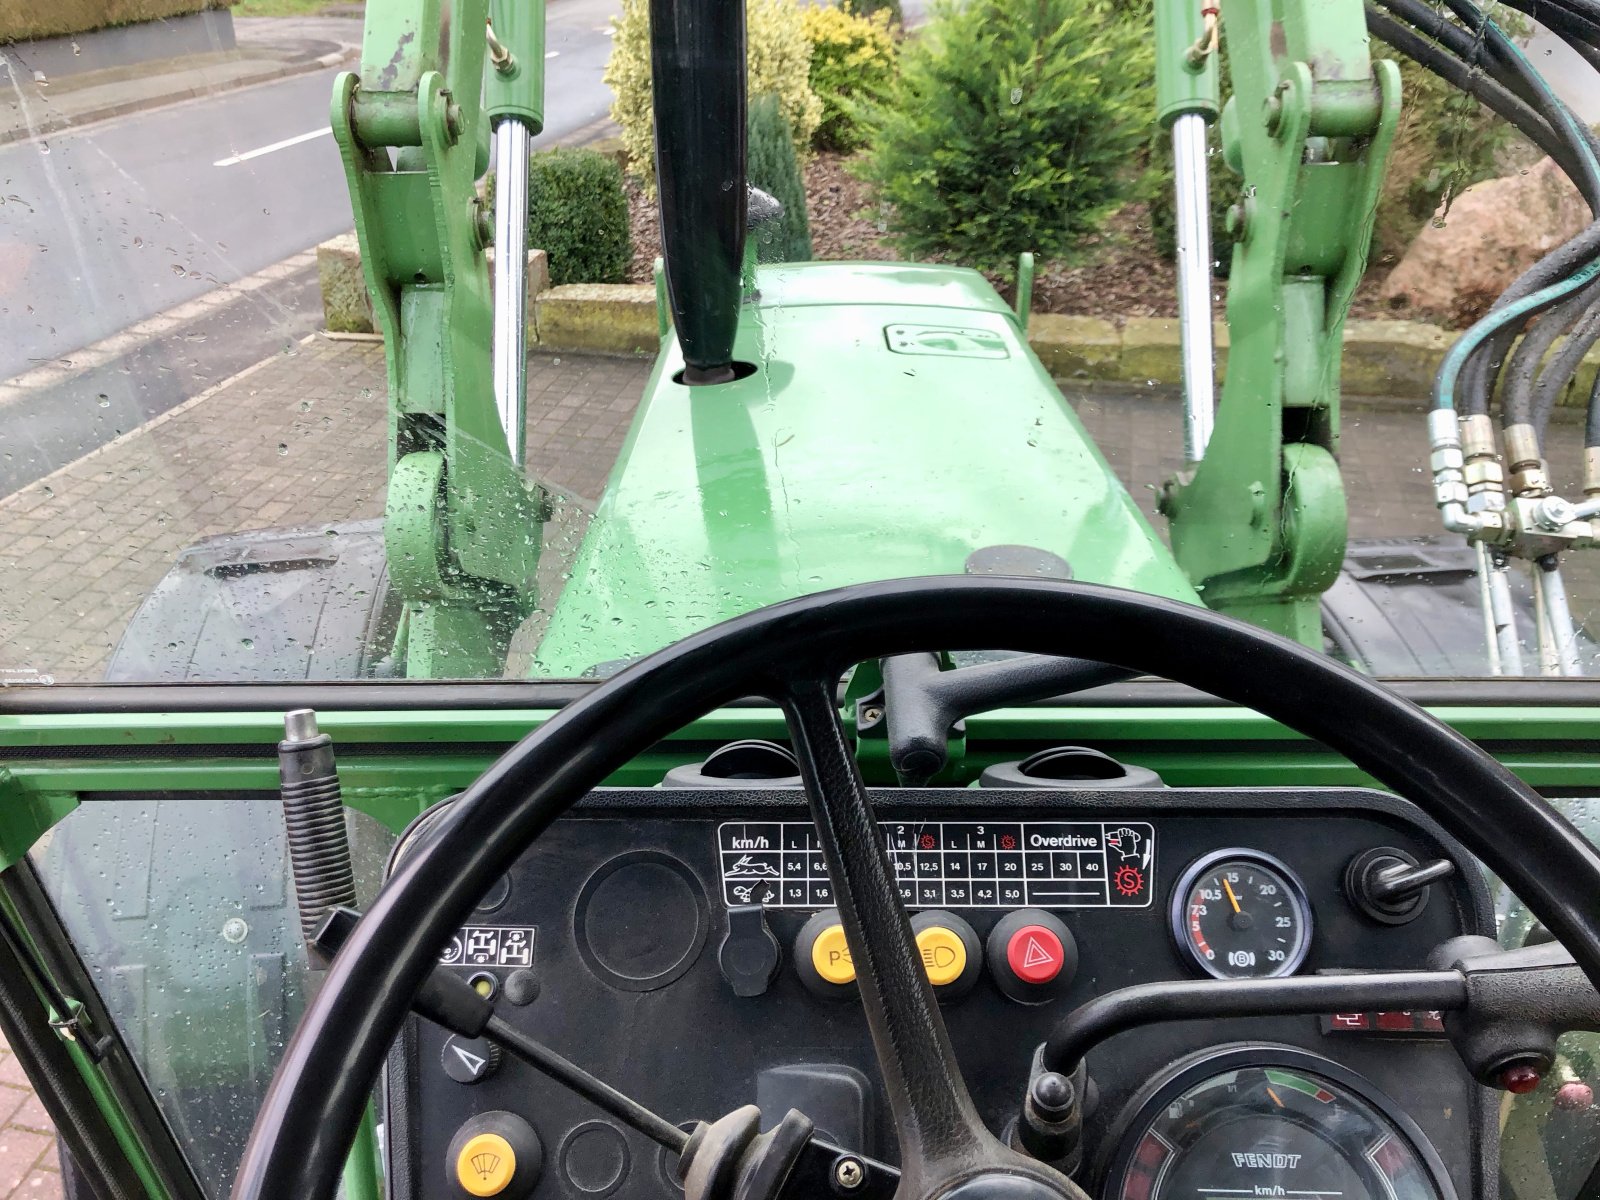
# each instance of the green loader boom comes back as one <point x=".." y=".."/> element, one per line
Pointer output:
<point x="839" y="423"/>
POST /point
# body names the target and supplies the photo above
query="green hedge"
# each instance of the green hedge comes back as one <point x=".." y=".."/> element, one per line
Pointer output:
<point x="22" y="20"/>
<point x="578" y="215"/>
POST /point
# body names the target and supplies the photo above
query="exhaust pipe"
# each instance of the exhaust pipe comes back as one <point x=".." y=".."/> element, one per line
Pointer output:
<point x="697" y="66"/>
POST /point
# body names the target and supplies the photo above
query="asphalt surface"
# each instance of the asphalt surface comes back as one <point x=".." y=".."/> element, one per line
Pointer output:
<point x="111" y="224"/>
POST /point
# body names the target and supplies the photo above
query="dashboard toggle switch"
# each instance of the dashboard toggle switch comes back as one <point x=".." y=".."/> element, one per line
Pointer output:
<point x="1391" y="886"/>
<point x="1033" y="954"/>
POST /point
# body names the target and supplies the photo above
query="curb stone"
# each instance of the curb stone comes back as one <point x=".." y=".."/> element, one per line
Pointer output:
<point x="1381" y="358"/>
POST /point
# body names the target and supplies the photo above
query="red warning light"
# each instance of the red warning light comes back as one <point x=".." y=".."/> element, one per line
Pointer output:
<point x="1129" y="881"/>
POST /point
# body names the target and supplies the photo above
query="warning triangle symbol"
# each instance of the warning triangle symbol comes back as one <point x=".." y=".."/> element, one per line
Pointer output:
<point x="1034" y="954"/>
<point x="474" y="1062"/>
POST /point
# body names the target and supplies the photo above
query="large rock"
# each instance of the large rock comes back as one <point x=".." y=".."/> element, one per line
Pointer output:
<point x="1493" y="232"/>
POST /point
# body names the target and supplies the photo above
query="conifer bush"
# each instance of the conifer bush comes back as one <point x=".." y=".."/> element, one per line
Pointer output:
<point x="774" y="168"/>
<point x="1011" y="126"/>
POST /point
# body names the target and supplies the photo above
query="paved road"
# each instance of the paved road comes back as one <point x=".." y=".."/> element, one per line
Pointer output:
<point x="131" y="217"/>
<point x="128" y="218"/>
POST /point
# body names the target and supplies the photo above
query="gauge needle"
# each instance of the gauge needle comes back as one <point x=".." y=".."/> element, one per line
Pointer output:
<point x="1274" y="1096"/>
<point x="1232" y="899"/>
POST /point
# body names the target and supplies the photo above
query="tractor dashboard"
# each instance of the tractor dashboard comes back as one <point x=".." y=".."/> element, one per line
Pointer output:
<point x="682" y="944"/>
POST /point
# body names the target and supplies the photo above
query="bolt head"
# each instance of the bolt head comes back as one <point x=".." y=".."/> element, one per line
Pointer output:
<point x="1554" y="513"/>
<point x="849" y="1174"/>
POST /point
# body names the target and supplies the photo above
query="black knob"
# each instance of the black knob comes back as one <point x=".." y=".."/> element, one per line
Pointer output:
<point x="1390" y="885"/>
<point x="469" y="1060"/>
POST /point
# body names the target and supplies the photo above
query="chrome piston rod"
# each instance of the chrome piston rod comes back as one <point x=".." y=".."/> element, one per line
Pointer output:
<point x="1504" y="613"/>
<point x="1193" y="219"/>
<point x="1552" y="595"/>
<point x="511" y="139"/>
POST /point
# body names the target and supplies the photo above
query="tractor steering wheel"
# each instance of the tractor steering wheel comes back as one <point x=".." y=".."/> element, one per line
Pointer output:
<point x="795" y="653"/>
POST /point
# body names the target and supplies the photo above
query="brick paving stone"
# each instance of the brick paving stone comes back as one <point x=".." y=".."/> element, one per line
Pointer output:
<point x="21" y="1150"/>
<point x="13" y="1100"/>
<point x="11" y="1073"/>
<point x="43" y="1184"/>
<point x="31" y="1115"/>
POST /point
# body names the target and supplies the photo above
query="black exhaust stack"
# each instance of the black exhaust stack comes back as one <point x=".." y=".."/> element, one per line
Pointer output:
<point x="697" y="68"/>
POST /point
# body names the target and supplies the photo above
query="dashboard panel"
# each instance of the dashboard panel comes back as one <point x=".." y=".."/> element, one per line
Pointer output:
<point x="679" y="944"/>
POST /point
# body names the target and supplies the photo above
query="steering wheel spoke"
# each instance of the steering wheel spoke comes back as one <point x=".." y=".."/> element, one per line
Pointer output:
<point x="937" y="1125"/>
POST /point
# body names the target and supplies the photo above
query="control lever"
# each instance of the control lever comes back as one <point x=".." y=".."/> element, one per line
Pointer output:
<point x="715" y="1161"/>
<point x="450" y="1001"/>
<point x="922" y="703"/>
<point x="1390" y="885"/>
<point x="1518" y="1003"/>
<point x="1503" y="1011"/>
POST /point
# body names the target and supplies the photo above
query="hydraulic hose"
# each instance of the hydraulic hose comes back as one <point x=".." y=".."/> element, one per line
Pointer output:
<point x="1497" y="319"/>
<point x="313" y="817"/>
<point x="1492" y="94"/>
<point x="1561" y="368"/>
<point x="1591" y="425"/>
<point x="1516" y="405"/>
<point x="1580" y="32"/>
<point x="1459" y="55"/>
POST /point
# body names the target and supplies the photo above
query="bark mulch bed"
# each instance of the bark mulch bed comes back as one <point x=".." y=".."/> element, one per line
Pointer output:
<point x="1119" y="274"/>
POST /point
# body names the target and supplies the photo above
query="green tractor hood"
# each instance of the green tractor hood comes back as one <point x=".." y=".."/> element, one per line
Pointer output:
<point x="892" y="422"/>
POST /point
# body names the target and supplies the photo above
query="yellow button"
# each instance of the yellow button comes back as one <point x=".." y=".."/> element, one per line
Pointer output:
<point x="944" y="954"/>
<point x="831" y="956"/>
<point x="486" y="1164"/>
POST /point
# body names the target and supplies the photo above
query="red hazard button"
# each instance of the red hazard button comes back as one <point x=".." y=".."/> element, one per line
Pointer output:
<point x="1035" y="954"/>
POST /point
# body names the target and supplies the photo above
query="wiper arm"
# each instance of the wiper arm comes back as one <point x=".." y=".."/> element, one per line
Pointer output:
<point x="922" y="703"/>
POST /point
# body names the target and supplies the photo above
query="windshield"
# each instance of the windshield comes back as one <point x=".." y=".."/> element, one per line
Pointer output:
<point x="264" y="417"/>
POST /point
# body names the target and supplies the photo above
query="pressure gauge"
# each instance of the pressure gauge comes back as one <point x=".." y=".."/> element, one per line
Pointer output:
<point x="1241" y="914"/>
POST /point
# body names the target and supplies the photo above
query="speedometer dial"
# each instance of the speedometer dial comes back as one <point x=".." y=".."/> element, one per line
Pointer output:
<point x="1271" y="1121"/>
<point x="1241" y="914"/>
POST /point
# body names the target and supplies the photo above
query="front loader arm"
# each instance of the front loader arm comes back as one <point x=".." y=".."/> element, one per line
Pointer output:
<point x="462" y="526"/>
<point x="1259" y="522"/>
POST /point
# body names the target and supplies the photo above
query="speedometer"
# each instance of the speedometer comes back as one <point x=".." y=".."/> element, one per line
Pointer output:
<point x="1241" y="914"/>
<point x="1269" y="1121"/>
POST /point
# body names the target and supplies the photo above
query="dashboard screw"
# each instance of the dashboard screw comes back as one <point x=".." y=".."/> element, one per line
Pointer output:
<point x="849" y="1174"/>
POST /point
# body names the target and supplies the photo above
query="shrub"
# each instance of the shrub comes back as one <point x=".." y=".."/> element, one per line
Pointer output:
<point x="1005" y="130"/>
<point x="775" y="170"/>
<point x="578" y="215"/>
<point x="777" y="60"/>
<point x="852" y="58"/>
<point x="872" y="8"/>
